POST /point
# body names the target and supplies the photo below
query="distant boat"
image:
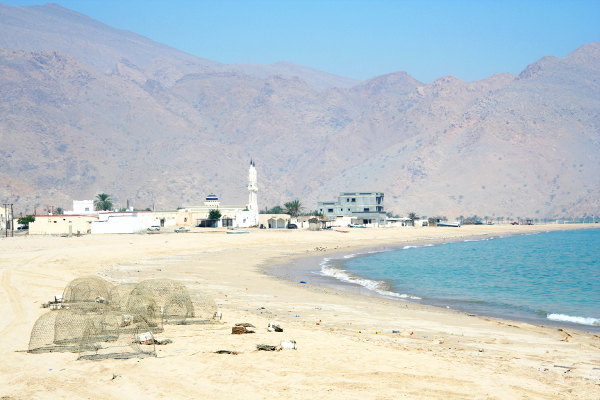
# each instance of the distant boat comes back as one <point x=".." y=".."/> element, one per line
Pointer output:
<point x="451" y="224"/>
<point x="238" y="231"/>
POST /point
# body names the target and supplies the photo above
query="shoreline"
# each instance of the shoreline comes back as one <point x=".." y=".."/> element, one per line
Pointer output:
<point x="349" y="345"/>
<point x="309" y="269"/>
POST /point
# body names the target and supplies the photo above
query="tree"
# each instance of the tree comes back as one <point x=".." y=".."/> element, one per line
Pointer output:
<point x="413" y="217"/>
<point x="214" y="214"/>
<point x="103" y="202"/>
<point x="274" y="210"/>
<point x="26" y="220"/>
<point x="59" y="211"/>
<point x="294" y="208"/>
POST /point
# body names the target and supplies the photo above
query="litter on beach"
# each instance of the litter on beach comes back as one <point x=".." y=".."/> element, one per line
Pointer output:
<point x="267" y="347"/>
<point x="288" y="345"/>
<point x="274" y="327"/>
<point x="240" y="329"/>
<point x="146" y="337"/>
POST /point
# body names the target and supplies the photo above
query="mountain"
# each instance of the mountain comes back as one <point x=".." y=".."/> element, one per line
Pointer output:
<point x="53" y="28"/>
<point x="168" y="133"/>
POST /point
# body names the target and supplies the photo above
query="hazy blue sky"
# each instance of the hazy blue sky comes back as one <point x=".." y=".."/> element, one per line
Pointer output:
<point x="361" y="39"/>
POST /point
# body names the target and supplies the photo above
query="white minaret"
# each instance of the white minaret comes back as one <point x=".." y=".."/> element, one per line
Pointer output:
<point x="253" y="190"/>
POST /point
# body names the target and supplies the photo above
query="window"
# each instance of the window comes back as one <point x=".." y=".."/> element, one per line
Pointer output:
<point x="354" y="200"/>
<point x="330" y="210"/>
<point x="87" y="209"/>
<point x="366" y="210"/>
<point x="347" y="199"/>
<point x="348" y="209"/>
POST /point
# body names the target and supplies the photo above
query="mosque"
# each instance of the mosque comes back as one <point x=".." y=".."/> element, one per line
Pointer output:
<point x="233" y="216"/>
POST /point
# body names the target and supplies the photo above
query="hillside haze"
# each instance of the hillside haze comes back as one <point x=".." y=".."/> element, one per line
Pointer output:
<point x="86" y="108"/>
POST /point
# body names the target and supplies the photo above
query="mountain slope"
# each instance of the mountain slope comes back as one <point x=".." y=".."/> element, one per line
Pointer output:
<point x="171" y="131"/>
<point x="51" y="27"/>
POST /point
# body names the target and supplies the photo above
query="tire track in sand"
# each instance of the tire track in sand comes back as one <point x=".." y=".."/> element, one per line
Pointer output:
<point x="14" y="298"/>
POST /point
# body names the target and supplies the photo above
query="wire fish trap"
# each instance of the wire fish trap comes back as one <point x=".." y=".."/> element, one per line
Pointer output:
<point x="172" y="298"/>
<point x="118" y="292"/>
<point x="128" y="343"/>
<point x="88" y="289"/>
<point x="136" y="308"/>
<point x="71" y="323"/>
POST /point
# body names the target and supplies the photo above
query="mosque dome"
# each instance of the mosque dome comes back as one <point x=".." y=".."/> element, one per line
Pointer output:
<point x="212" y="197"/>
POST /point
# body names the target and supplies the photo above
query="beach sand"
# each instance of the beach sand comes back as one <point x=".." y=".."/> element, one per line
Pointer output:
<point x="346" y="348"/>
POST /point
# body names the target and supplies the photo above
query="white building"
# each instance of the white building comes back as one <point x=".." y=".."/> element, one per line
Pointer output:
<point x="122" y="222"/>
<point x="82" y="207"/>
<point x="235" y="216"/>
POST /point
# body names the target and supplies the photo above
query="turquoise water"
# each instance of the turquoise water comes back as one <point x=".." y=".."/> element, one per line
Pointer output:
<point x="543" y="277"/>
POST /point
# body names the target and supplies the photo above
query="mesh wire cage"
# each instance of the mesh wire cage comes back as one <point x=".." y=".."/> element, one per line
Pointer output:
<point x="87" y="289"/>
<point x="172" y="298"/>
<point x="135" y="342"/>
<point x="205" y="308"/>
<point x="136" y="308"/>
<point x="71" y="322"/>
<point x="118" y="292"/>
<point x="42" y="335"/>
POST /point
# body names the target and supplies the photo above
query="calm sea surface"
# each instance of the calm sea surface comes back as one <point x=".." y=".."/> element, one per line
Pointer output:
<point x="535" y="278"/>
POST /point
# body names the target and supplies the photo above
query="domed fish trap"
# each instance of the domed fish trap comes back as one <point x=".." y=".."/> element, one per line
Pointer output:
<point x="136" y="342"/>
<point x="87" y="289"/>
<point x="205" y="307"/>
<point x="71" y="323"/>
<point x="138" y="308"/>
<point x="171" y="296"/>
<point x="118" y="292"/>
<point x="42" y="335"/>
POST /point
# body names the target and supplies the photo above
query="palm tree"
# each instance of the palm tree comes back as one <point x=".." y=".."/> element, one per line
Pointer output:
<point x="103" y="202"/>
<point x="413" y="217"/>
<point x="294" y="208"/>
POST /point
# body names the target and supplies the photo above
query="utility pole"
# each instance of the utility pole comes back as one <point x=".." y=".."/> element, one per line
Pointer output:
<point x="5" y="220"/>
<point x="12" y="224"/>
<point x="5" y="205"/>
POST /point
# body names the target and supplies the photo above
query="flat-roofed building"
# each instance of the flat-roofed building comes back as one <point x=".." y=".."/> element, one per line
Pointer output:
<point x="61" y="224"/>
<point x="365" y="208"/>
<point x="122" y="222"/>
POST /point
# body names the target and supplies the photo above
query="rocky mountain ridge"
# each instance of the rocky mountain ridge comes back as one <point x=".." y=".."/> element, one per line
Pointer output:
<point x="168" y="133"/>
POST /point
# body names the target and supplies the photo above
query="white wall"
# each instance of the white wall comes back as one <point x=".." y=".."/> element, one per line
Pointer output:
<point x="245" y="219"/>
<point x="122" y="222"/>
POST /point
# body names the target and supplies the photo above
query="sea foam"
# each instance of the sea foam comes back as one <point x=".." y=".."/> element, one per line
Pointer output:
<point x="575" y="320"/>
<point x="376" y="286"/>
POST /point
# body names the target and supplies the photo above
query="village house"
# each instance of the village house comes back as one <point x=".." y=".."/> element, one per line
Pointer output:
<point x="364" y="208"/>
<point x="61" y="224"/>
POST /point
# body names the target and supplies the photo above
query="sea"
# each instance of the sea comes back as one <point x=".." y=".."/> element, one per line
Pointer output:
<point x="548" y="278"/>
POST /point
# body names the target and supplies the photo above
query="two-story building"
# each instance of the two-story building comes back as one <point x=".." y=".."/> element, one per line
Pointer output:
<point x="365" y="208"/>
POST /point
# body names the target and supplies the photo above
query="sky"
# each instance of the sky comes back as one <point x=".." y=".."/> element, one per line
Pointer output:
<point x="360" y="39"/>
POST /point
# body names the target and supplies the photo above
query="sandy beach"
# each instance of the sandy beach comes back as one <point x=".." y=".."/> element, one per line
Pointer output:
<point x="346" y="348"/>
